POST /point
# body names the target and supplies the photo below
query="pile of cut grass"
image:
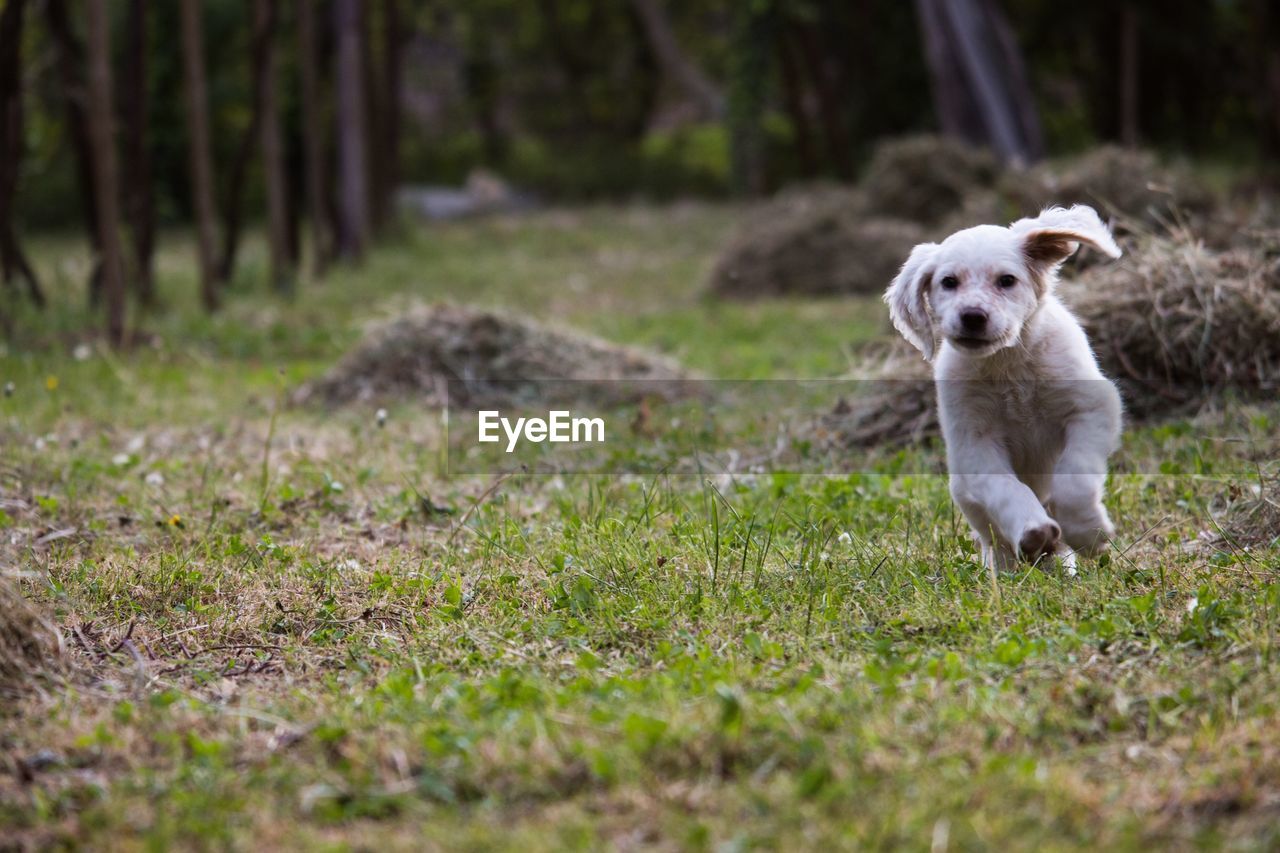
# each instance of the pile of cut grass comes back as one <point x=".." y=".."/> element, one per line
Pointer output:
<point x="825" y="248"/>
<point x="829" y="240"/>
<point x="1130" y="185"/>
<point x="1179" y="326"/>
<point x="30" y="645"/>
<point x="925" y="178"/>
<point x="457" y="355"/>
<point x="1253" y="519"/>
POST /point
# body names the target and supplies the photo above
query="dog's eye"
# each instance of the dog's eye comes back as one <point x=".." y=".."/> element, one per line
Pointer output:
<point x="950" y="282"/>
<point x="1006" y="281"/>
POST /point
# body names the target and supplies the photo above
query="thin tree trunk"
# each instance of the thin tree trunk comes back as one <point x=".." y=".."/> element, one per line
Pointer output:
<point x="1129" y="75"/>
<point x="200" y="149"/>
<point x="264" y="13"/>
<point x="139" y="202"/>
<point x="480" y="83"/>
<point x="232" y="213"/>
<point x="752" y="44"/>
<point x="575" y="68"/>
<point x="676" y="64"/>
<point x="794" y="93"/>
<point x="393" y="36"/>
<point x="353" y="230"/>
<point x="1266" y="46"/>
<point x="13" y="262"/>
<point x="71" y="63"/>
<point x="374" y="115"/>
<point x="313" y="140"/>
<point x="830" y="104"/>
<point x="101" y="130"/>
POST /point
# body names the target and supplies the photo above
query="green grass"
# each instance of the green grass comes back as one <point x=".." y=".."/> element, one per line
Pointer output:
<point x="290" y="628"/>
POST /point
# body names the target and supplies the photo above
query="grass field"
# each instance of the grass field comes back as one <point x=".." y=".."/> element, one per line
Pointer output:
<point x="291" y="629"/>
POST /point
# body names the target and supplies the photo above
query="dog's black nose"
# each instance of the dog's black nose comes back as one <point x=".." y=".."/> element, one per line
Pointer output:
<point x="973" y="320"/>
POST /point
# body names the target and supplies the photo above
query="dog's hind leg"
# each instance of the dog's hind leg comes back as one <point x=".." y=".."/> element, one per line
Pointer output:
<point x="1080" y="474"/>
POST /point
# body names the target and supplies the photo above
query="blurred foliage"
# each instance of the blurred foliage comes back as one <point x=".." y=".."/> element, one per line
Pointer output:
<point x="567" y="98"/>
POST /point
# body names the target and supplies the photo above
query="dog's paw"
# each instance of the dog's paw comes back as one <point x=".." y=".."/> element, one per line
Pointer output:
<point x="1039" y="541"/>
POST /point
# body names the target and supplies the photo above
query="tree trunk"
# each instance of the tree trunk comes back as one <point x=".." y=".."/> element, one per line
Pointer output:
<point x="313" y="140"/>
<point x="264" y="24"/>
<point x="393" y="37"/>
<point x="353" y="213"/>
<point x="952" y="102"/>
<point x="1018" y="79"/>
<point x="752" y="44"/>
<point x="101" y="130"/>
<point x="1129" y="75"/>
<point x="232" y="213"/>
<point x="374" y="115"/>
<point x="13" y="262"/>
<point x="575" y="68"/>
<point x="831" y="107"/>
<point x="139" y="202"/>
<point x="676" y="64"/>
<point x="480" y="84"/>
<point x="70" y="67"/>
<point x="980" y="86"/>
<point x="200" y="149"/>
<point x="1272" y="72"/>
<point x="797" y="102"/>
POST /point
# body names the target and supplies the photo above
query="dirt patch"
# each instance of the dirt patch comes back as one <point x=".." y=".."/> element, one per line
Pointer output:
<point x="30" y="644"/>
<point x="450" y="354"/>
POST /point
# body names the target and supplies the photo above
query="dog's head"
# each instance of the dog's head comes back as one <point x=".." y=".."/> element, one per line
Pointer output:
<point x="977" y="288"/>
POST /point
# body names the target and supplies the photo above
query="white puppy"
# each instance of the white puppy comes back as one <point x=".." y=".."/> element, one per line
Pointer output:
<point x="1028" y="418"/>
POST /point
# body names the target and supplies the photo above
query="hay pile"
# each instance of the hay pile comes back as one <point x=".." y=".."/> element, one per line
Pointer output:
<point x="829" y="240"/>
<point x="925" y="178"/>
<point x="897" y="405"/>
<point x="822" y="248"/>
<point x="1123" y="183"/>
<point x="30" y="645"/>
<point x="1177" y="326"/>
<point x="1252" y="518"/>
<point x="467" y="356"/>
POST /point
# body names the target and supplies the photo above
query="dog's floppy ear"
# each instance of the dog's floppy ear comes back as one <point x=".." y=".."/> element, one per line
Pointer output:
<point x="906" y="297"/>
<point x="1054" y="235"/>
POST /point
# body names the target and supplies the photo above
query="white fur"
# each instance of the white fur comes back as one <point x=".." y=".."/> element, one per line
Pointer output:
<point x="1028" y="418"/>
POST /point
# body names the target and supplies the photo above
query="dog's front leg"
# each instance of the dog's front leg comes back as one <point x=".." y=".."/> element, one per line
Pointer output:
<point x="995" y="501"/>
